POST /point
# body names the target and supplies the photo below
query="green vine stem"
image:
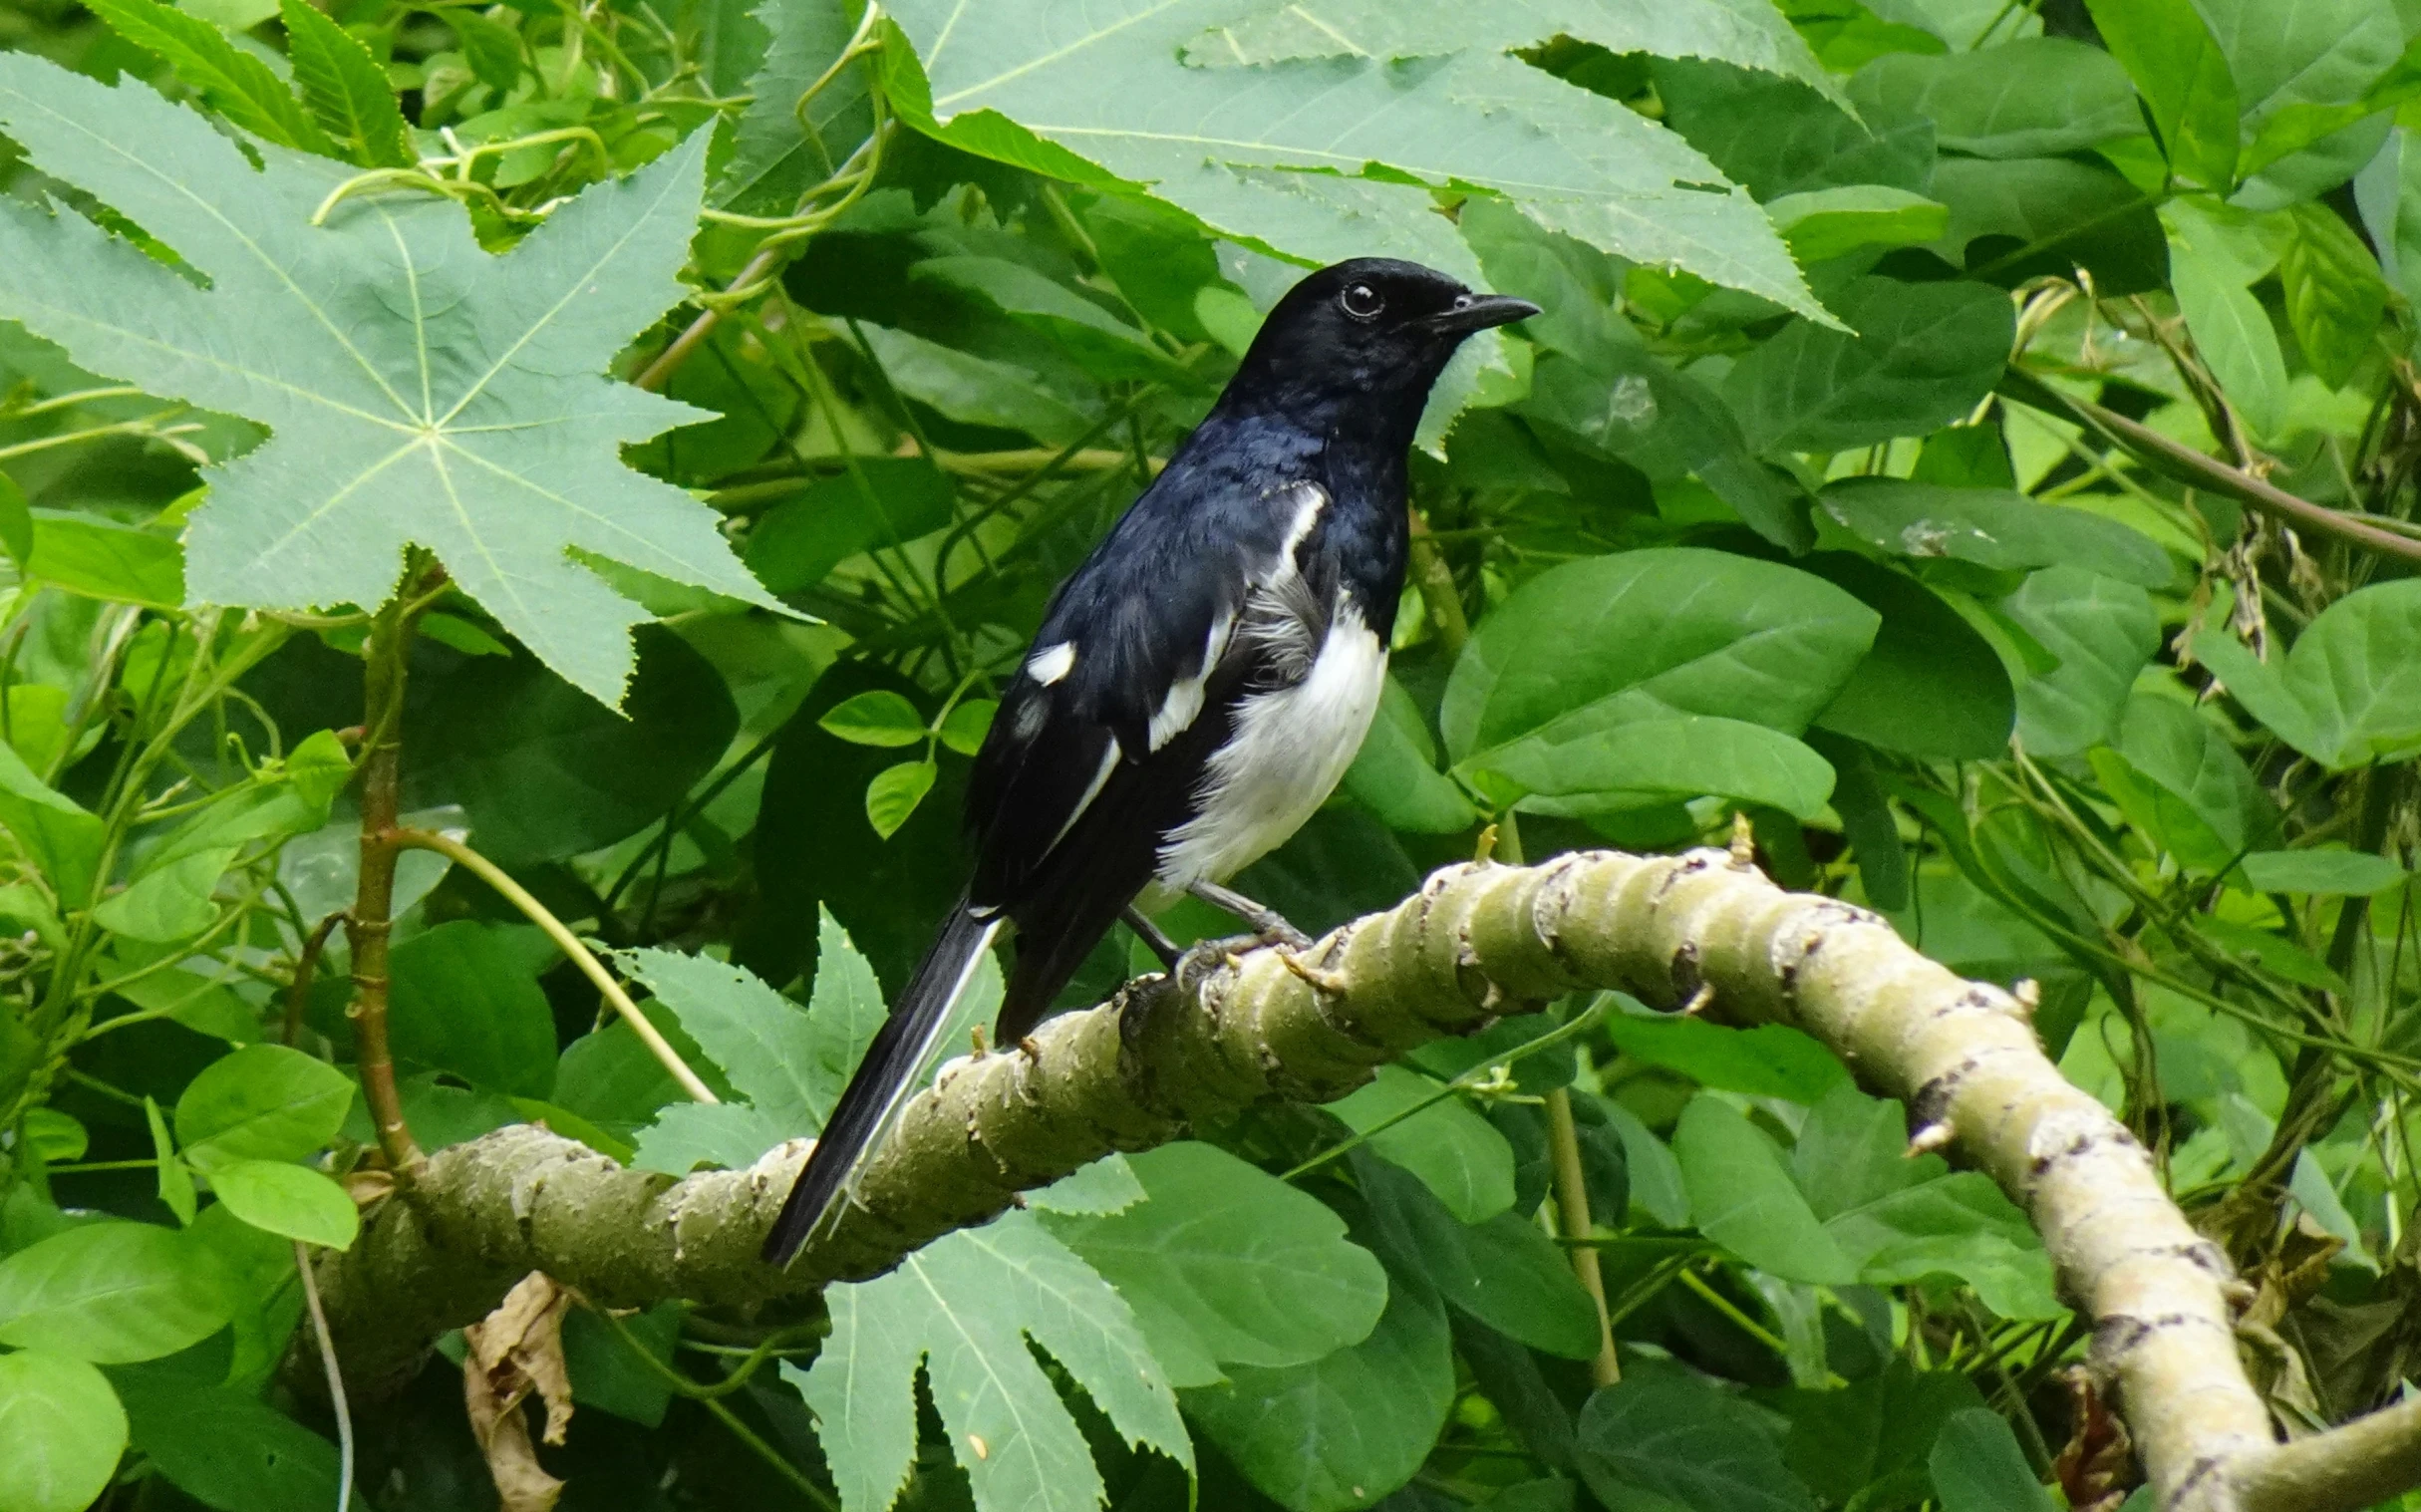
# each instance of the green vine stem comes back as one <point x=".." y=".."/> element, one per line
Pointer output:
<point x="368" y="927"/>
<point x="570" y="944"/>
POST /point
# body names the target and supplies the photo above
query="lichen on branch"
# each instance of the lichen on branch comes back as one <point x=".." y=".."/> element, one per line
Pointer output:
<point x="1476" y="942"/>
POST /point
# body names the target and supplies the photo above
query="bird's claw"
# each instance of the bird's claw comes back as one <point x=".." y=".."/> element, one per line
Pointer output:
<point x="1330" y="982"/>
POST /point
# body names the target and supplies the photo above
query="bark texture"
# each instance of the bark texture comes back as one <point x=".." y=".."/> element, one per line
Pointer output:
<point x="1474" y="943"/>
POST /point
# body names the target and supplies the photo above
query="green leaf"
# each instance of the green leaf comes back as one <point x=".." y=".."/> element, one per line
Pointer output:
<point x="1227" y="1265"/>
<point x="894" y="793"/>
<point x="1394" y="775"/>
<point x="685" y="1135"/>
<point x="542" y="771"/>
<point x="101" y="560"/>
<point x="1504" y="1272"/>
<point x="345" y="89"/>
<point x="2175" y="776"/>
<point x="501" y="466"/>
<point x="2178" y="67"/>
<point x="16" y="524"/>
<point x="784" y="147"/>
<point x="60" y="1432"/>
<point x="227" y="1448"/>
<point x="2322" y="869"/>
<point x="964" y="729"/>
<point x="2103" y="632"/>
<point x="1653" y="761"/>
<point x="1746" y="35"/>
<point x="1821" y="224"/>
<point x="2033" y="97"/>
<point x="800" y="540"/>
<point x="238" y="85"/>
<point x="1108" y="346"/>
<point x="1744" y="1199"/>
<point x="1876" y="1430"/>
<point x="1095" y="1189"/>
<point x="291" y="1200"/>
<point x="1769" y="1061"/>
<point x="2292" y="129"/>
<point x="1978" y="1468"/>
<point x="1666" y="1430"/>
<point x="2305" y="52"/>
<point x="964" y="1307"/>
<point x="2272" y="953"/>
<point x="176" y="1183"/>
<point x="1931" y="686"/>
<point x="262" y="1102"/>
<point x="1245" y="148"/>
<point x="466" y="1001"/>
<point x="1455" y="1152"/>
<point x="979" y="391"/>
<point x="789" y="1063"/>
<point x="2335" y="296"/>
<point x="608" y="1374"/>
<point x="110" y="1292"/>
<point x="1646" y="635"/>
<point x="877" y="716"/>
<point x="1900" y="1220"/>
<point x="1349" y="1427"/>
<point x="491" y="48"/>
<point x="2021" y="217"/>
<point x="56" y="834"/>
<point x="56" y="1135"/>
<point x="1924" y="355"/>
<point x="169" y="903"/>
<point x="1993" y="527"/>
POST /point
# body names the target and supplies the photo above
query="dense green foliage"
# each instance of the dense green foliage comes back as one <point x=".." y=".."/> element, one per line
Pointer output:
<point x="1974" y="440"/>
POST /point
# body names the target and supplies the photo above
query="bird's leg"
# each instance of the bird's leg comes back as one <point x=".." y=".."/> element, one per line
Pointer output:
<point x="1269" y="923"/>
<point x="1153" y="935"/>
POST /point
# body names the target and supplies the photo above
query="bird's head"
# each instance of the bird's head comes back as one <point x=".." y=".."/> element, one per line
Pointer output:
<point x="1370" y="331"/>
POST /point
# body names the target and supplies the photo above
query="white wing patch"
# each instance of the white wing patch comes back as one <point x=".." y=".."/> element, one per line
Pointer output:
<point x="1052" y="663"/>
<point x="1184" y="701"/>
<point x="1290" y="749"/>
<point x="1308" y="499"/>
<point x="1093" y="790"/>
<point x="1183" y="705"/>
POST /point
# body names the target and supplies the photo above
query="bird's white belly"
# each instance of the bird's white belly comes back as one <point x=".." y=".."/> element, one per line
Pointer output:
<point x="1286" y="753"/>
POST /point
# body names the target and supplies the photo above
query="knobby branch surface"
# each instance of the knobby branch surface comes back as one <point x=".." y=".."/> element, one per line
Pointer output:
<point x="1476" y="942"/>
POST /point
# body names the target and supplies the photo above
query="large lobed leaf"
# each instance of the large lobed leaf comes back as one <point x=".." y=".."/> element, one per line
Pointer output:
<point x="964" y="1308"/>
<point x="418" y="391"/>
<point x="1284" y="147"/>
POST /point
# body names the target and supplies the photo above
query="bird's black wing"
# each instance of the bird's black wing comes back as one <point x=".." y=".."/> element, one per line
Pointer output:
<point x="1099" y="745"/>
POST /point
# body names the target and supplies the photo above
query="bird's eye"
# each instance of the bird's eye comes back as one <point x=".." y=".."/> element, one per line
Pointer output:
<point x="1361" y="301"/>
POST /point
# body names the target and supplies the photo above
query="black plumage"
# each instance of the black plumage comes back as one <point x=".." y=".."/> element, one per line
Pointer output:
<point x="1199" y="684"/>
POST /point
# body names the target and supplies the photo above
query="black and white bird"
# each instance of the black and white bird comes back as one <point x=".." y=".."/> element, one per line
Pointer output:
<point x="1200" y="684"/>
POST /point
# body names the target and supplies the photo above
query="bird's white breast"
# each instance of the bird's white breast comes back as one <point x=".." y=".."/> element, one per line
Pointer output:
<point x="1288" y="751"/>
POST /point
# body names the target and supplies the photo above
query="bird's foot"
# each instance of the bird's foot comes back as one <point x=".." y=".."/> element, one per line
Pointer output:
<point x="1330" y="982"/>
<point x="1201" y="959"/>
<point x="1269" y="927"/>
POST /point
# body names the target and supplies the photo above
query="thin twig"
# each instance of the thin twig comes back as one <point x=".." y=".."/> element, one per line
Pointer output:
<point x="570" y="944"/>
<point x="336" y="1377"/>
<point x="2188" y="466"/>
<point x="668" y="361"/>
<point x="306" y="966"/>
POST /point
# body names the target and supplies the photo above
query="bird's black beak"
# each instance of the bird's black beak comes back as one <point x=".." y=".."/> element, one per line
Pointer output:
<point x="1477" y="312"/>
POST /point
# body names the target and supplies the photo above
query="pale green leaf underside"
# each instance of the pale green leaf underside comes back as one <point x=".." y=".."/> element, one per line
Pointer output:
<point x="418" y="391"/>
<point x="1746" y="33"/>
<point x="965" y="1307"/>
<point x="1206" y="139"/>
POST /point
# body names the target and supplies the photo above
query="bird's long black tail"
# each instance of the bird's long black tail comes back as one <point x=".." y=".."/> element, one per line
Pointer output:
<point x="883" y="1082"/>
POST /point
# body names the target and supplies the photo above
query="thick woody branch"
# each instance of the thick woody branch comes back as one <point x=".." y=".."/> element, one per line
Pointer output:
<point x="1476" y="942"/>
